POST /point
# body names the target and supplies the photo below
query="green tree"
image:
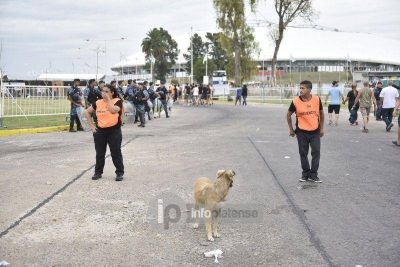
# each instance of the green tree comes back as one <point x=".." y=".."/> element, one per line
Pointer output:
<point x="159" y="45"/>
<point x="199" y="69"/>
<point x="217" y="54"/>
<point x="237" y="38"/>
<point x="198" y="52"/>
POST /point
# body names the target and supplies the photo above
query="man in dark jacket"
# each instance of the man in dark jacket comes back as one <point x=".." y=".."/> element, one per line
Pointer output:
<point x="163" y="94"/>
<point x="244" y="94"/>
<point x="75" y="97"/>
<point x="377" y="92"/>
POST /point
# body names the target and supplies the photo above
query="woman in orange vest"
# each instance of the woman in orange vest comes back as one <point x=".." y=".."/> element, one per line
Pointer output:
<point x="309" y="129"/>
<point x="107" y="131"/>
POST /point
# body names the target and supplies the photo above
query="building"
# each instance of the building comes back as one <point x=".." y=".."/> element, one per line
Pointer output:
<point x="302" y="51"/>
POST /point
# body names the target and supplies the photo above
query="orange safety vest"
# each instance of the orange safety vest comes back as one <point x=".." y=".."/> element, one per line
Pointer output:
<point x="307" y="113"/>
<point x="105" y="118"/>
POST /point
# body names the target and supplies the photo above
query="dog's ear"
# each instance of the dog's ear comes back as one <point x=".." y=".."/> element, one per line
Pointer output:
<point x="231" y="173"/>
<point x="220" y="172"/>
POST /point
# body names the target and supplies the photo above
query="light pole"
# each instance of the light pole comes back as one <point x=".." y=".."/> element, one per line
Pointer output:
<point x="191" y="55"/>
<point x="105" y="49"/>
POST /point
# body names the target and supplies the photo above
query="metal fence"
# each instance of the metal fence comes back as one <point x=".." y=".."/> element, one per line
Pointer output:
<point x="25" y="101"/>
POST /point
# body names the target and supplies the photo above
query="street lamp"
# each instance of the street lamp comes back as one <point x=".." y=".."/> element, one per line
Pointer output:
<point x="105" y="48"/>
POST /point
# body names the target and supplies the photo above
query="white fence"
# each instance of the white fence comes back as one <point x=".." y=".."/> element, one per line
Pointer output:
<point x="25" y="101"/>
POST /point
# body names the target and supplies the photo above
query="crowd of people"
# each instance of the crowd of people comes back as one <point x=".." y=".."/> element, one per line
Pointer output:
<point x="372" y="96"/>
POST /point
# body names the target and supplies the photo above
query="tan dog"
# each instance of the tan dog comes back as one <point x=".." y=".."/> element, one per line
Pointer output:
<point x="208" y="194"/>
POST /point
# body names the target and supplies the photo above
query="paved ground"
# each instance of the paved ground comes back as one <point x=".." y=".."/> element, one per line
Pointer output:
<point x="52" y="214"/>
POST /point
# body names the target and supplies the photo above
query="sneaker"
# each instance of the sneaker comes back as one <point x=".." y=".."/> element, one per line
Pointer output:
<point x="141" y="125"/>
<point x="80" y="129"/>
<point x="96" y="176"/>
<point x="119" y="177"/>
<point x="315" y="180"/>
<point x="395" y="143"/>
<point x="389" y="127"/>
<point x="303" y="179"/>
<point x="72" y="130"/>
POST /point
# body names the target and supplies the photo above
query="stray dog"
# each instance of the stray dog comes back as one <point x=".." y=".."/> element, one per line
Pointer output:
<point x="208" y="194"/>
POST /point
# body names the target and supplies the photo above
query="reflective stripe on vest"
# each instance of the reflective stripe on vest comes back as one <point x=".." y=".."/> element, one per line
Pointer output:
<point x="307" y="113"/>
<point x="105" y="118"/>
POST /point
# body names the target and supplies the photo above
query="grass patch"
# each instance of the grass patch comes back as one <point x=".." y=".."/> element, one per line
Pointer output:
<point x="34" y="122"/>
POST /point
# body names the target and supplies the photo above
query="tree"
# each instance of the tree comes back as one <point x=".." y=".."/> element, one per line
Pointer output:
<point x="198" y="52"/>
<point x="287" y="11"/>
<point x="215" y="51"/>
<point x="231" y="20"/>
<point x="199" y="69"/>
<point x="159" y="45"/>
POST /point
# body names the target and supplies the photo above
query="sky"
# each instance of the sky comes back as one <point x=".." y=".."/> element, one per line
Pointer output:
<point x="40" y="36"/>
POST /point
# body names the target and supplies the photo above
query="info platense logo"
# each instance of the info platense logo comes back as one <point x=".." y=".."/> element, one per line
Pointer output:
<point x="169" y="210"/>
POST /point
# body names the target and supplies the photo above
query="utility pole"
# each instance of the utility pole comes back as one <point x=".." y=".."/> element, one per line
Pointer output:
<point x="191" y="54"/>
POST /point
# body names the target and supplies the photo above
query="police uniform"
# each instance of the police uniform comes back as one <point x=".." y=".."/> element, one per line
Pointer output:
<point x="75" y="93"/>
<point x="138" y="101"/>
<point x="108" y="131"/>
<point x="163" y="98"/>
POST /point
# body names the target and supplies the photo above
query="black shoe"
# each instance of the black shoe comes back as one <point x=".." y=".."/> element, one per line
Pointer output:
<point x="96" y="176"/>
<point x="389" y="127"/>
<point x="141" y="125"/>
<point x="395" y="143"/>
<point x="72" y="130"/>
<point x="315" y="180"/>
<point x="167" y="116"/>
<point x="81" y="129"/>
<point x="303" y="179"/>
<point x="119" y="177"/>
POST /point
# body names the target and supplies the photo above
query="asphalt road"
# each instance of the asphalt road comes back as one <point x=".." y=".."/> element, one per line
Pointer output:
<point x="53" y="214"/>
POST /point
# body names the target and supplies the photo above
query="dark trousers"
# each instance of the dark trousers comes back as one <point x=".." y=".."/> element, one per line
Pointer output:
<point x="245" y="100"/>
<point x="114" y="139"/>
<point x="165" y="106"/>
<point x="72" y="119"/>
<point x="387" y="115"/>
<point x="353" y="113"/>
<point x="238" y="98"/>
<point x="306" y="140"/>
<point x="140" y="114"/>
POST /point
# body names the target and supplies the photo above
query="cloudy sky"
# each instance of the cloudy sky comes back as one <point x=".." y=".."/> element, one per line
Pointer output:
<point x="49" y="35"/>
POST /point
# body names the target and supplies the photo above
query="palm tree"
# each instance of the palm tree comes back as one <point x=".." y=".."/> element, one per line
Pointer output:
<point x="159" y="45"/>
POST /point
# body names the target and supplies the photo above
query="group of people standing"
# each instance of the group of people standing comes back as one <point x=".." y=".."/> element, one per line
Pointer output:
<point x="104" y="113"/>
<point x="198" y="94"/>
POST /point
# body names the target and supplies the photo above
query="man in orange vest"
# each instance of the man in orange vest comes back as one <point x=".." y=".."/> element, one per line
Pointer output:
<point x="309" y="129"/>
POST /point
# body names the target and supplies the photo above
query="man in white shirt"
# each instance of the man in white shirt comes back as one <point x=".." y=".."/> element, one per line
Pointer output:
<point x="388" y="97"/>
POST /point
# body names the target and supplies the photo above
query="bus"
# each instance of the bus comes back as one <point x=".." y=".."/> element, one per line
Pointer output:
<point x="220" y="83"/>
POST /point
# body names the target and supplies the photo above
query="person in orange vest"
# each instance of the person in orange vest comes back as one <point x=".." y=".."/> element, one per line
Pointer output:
<point x="309" y="129"/>
<point x="107" y="131"/>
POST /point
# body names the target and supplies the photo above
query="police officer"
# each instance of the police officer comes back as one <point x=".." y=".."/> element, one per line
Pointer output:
<point x="163" y="94"/>
<point x="120" y="89"/>
<point x="152" y="95"/>
<point x="75" y="97"/>
<point x="147" y="97"/>
<point x="101" y="85"/>
<point x="138" y="100"/>
<point x="91" y="93"/>
<point x="107" y="131"/>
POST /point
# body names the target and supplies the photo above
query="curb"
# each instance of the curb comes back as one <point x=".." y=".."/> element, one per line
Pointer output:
<point x="33" y="130"/>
